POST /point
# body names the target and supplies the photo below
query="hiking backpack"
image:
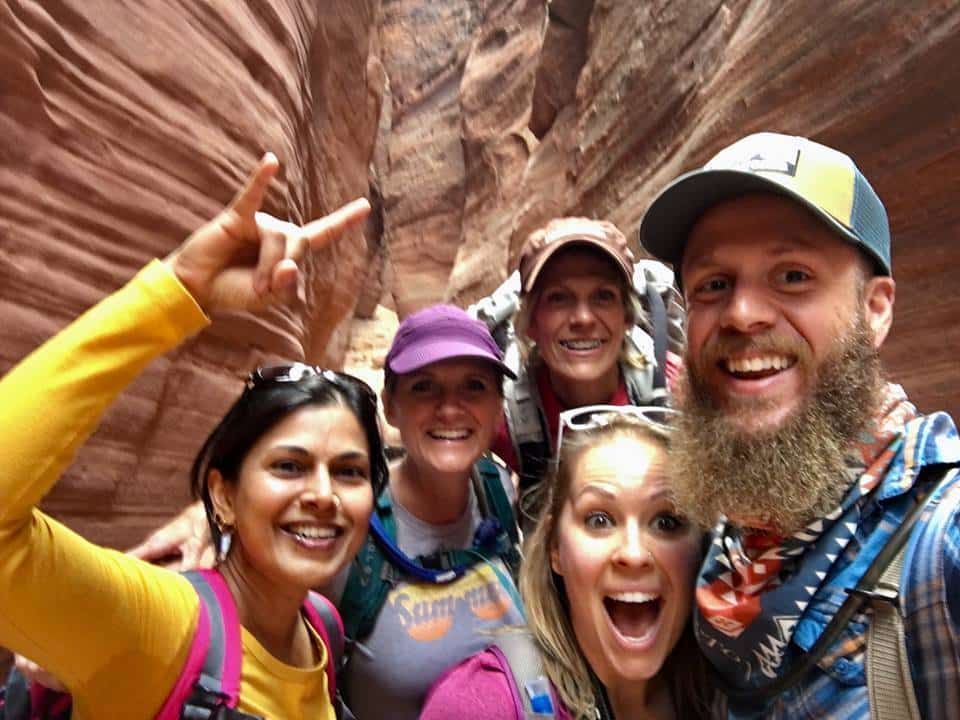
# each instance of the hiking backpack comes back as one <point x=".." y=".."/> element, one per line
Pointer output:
<point x="209" y="684"/>
<point x="380" y="564"/>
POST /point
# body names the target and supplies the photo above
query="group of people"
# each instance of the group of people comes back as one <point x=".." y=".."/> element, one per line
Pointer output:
<point x="736" y="547"/>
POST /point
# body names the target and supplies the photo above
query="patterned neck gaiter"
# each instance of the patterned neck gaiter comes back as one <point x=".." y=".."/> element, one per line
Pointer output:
<point x="754" y="587"/>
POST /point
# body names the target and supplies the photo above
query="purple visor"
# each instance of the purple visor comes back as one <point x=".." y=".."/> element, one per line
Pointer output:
<point x="442" y="332"/>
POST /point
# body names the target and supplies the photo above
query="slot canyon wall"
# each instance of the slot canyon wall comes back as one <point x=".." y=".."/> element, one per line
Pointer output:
<point x="468" y="123"/>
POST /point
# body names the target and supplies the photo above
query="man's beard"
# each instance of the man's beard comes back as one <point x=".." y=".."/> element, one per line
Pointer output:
<point x="780" y="479"/>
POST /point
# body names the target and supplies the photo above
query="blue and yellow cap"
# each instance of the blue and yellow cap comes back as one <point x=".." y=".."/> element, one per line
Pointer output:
<point x="822" y="179"/>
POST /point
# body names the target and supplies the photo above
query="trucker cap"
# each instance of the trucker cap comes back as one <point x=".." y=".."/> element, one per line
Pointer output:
<point x="822" y="179"/>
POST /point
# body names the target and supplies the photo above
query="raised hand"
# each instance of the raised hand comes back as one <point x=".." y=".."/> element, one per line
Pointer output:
<point x="244" y="259"/>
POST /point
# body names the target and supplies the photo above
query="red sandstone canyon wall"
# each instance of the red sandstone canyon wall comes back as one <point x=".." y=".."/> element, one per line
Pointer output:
<point x="467" y="122"/>
<point x="125" y="124"/>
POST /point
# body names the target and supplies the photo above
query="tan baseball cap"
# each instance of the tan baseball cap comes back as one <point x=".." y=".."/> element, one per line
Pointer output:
<point x="541" y="245"/>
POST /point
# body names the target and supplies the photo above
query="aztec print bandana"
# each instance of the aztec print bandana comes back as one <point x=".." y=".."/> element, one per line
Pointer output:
<point x="754" y="587"/>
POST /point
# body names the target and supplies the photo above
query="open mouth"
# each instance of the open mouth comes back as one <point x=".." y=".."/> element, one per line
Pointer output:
<point x="758" y="367"/>
<point x="634" y="615"/>
<point x="311" y="535"/>
<point x="582" y="345"/>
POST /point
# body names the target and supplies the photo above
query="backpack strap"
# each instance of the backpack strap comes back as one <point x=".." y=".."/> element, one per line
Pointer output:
<point x="209" y="684"/>
<point x="325" y="620"/>
<point x="494" y="495"/>
<point x="369" y="580"/>
<point x="520" y="657"/>
<point x="658" y="318"/>
<point x="528" y="428"/>
<point x="889" y="680"/>
<point x="221" y="666"/>
<point x="889" y="684"/>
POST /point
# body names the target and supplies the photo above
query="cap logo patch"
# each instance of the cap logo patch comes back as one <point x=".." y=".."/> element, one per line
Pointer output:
<point x="775" y="154"/>
<point x="778" y="163"/>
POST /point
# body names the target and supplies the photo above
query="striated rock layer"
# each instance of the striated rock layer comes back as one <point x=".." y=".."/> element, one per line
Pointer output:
<point x="125" y="125"/>
<point x="468" y="123"/>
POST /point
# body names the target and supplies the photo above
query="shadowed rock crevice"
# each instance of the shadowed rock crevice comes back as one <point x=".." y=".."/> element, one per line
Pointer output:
<point x="561" y="60"/>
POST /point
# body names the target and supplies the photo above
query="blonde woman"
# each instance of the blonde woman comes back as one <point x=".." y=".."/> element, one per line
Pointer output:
<point x="577" y="337"/>
<point x="607" y="582"/>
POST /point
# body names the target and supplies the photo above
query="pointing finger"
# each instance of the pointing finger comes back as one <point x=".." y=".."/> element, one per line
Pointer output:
<point x="250" y="197"/>
<point x="320" y="232"/>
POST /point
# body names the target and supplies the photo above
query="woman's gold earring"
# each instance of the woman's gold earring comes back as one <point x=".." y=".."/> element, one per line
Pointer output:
<point x="225" y="532"/>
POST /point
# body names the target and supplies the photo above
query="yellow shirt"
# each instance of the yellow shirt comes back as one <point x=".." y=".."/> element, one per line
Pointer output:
<point x="115" y="630"/>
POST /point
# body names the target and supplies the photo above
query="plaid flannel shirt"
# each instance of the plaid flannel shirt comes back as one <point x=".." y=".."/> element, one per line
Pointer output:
<point x="930" y="594"/>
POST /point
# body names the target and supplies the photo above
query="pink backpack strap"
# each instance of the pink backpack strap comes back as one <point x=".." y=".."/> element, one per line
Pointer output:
<point x="325" y="619"/>
<point x="519" y="656"/>
<point x="214" y="661"/>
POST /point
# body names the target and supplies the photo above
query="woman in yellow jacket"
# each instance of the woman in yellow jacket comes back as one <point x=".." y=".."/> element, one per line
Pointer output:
<point x="288" y="479"/>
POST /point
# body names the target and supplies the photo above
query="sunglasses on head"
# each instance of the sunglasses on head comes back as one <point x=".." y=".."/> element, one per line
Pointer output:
<point x="295" y="372"/>
<point x="591" y="417"/>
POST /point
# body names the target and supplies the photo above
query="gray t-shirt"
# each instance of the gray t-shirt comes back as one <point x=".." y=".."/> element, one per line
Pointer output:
<point x="422" y="628"/>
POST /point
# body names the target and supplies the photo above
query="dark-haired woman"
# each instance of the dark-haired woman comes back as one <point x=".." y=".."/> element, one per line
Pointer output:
<point x="288" y="479"/>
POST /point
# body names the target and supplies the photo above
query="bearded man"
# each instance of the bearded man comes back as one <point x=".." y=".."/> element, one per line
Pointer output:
<point x="792" y="442"/>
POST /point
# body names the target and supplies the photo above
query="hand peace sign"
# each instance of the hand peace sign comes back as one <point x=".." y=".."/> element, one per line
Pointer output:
<point x="244" y="259"/>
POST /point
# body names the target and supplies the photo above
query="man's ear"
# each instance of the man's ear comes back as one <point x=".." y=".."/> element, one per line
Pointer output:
<point x="878" y="297"/>
<point x="221" y="494"/>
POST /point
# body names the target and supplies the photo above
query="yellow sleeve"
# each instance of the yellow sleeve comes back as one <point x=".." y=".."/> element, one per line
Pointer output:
<point x="115" y="630"/>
